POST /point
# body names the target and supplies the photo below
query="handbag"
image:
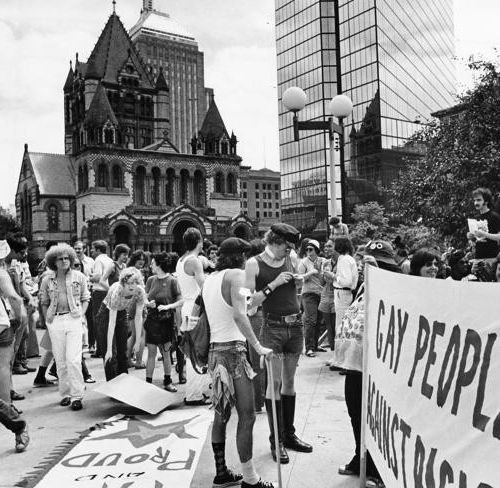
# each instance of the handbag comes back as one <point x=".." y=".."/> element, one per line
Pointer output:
<point x="159" y="324"/>
<point x="348" y="352"/>
<point x="196" y="339"/>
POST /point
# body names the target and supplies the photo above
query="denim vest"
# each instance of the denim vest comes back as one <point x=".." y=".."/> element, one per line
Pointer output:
<point x="76" y="289"/>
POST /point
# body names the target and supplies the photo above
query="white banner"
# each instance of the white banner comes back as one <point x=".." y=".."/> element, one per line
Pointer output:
<point x="432" y="378"/>
<point x="136" y="452"/>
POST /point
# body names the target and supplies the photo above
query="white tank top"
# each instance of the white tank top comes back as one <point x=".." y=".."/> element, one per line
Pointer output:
<point x="189" y="288"/>
<point x="223" y="328"/>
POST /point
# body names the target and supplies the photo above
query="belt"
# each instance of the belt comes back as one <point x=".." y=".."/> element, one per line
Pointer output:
<point x="345" y="288"/>
<point x="62" y="313"/>
<point x="287" y="319"/>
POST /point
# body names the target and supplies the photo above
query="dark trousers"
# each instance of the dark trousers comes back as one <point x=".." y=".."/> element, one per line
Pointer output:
<point x="329" y="319"/>
<point x="353" y="392"/>
<point x="259" y="381"/>
<point x="118" y="363"/>
<point x="89" y="316"/>
<point x="96" y="302"/>
<point x="311" y="320"/>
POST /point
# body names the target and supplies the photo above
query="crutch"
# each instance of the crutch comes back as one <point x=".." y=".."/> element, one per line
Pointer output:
<point x="270" y="380"/>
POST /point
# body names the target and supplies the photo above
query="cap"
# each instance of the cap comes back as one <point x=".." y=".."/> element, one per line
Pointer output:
<point x="313" y="242"/>
<point x="381" y="251"/>
<point x="288" y="232"/>
<point x="4" y="249"/>
<point x="234" y="245"/>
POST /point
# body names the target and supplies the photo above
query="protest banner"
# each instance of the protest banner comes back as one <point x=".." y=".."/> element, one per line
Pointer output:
<point x="135" y="452"/>
<point x="431" y="381"/>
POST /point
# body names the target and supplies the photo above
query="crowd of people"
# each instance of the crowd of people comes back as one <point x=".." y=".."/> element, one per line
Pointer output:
<point x="277" y="297"/>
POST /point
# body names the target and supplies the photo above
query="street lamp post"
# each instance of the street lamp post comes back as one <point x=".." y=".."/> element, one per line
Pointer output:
<point x="294" y="99"/>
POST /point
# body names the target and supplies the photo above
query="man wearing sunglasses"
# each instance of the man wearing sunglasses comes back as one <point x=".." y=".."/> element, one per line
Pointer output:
<point x="272" y="275"/>
<point x="310" y="269"/>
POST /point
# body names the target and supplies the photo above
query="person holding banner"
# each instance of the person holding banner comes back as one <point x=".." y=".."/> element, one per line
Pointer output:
<point x="348" y="354"/>
<point x="229" y="368"/>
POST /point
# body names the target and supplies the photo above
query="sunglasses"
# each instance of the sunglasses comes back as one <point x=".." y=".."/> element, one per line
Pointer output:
<point x="310" y="249"/>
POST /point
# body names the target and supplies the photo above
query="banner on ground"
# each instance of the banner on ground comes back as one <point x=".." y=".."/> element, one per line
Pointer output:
<point x="432" y="381"/>
<point x="135" y="452"/>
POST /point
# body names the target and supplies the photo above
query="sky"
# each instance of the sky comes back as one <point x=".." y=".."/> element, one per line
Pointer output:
<point x="40" y="37"/>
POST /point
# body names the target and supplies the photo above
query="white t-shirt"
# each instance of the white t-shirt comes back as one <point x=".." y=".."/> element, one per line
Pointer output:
<point x="103" y="265"/>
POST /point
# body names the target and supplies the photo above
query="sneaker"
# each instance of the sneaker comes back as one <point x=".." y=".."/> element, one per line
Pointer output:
<point x="260" y="484"/>
<point x="22" y="439"/>
<point x="310" y="353"/>
<point x="15" y="396"/>
<point x="227" y="479"/>
<point x="170" y="387"/>
<point x="90" y="379"/>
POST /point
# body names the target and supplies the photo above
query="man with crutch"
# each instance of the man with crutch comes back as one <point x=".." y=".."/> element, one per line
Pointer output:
<point x="272" y="275"/>
<point x="231" y="372"/>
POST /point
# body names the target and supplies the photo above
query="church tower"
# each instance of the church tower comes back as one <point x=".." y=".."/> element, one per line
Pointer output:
<point x="113" y="98"/>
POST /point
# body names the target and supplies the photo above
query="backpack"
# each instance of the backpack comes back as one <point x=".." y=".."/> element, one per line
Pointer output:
<point x="196" y="339"/>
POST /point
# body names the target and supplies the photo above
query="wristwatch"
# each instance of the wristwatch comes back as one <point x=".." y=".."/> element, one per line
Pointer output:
<point x="267" y="291"/>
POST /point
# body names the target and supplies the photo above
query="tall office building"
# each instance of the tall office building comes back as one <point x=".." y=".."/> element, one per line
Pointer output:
<point x="164" y="43"/>
<point x="393" y="58"/>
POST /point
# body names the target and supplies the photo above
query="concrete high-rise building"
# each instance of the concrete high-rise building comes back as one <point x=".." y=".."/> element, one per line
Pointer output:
<point x="164" y="43"/>
<point x="394" y="59"/>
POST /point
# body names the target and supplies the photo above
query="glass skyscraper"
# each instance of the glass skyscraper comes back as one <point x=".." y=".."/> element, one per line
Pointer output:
<point x="394" y="58"/>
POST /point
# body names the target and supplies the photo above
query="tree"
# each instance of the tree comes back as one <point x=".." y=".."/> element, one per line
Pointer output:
<point x="7" y="225"/>
<point x="371" y="222"/>
<point x="462" y="154"/>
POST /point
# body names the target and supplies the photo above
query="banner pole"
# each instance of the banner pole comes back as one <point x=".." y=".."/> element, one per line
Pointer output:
<point x="364" y="393"/>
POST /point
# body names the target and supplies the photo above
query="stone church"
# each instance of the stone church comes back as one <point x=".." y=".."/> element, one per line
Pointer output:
<point x="121" y="178"/>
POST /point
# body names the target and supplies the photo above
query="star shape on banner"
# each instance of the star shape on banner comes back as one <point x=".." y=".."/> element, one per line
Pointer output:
<point x="140" y="433"/>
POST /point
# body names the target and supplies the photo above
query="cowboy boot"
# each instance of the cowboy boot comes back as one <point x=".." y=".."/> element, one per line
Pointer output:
<point x="284" y="459"/>
<point x="290" y="440"/>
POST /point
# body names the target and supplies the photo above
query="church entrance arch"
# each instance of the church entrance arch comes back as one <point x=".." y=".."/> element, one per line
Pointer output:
<point x="178" y="231"/>
<point x="122" y="235"/>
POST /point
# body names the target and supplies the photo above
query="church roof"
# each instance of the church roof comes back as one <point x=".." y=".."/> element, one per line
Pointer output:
<point x="100" y="110"/>
<point x="164" y="146"/>
<point x="157" y="22"/>
<point x="53" y="173"/>
<point x="69" y="79"/>
<point x="213" y="125"/>
<point x="112" y="50"/>
<point x="161" y="83"/>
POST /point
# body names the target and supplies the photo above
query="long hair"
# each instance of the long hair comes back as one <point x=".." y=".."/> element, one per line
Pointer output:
<point x="230" y="261"/>
<point x="421" y="258"/>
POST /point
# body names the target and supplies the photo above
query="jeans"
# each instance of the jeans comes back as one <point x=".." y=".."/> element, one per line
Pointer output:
<point x="66" y="336"/>
<point x="311" y="320"/>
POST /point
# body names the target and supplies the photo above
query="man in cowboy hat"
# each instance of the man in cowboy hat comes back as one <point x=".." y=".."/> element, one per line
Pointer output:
<point x="9" y="299"/>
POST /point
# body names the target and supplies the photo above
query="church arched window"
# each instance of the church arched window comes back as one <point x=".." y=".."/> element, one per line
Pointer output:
<point x="219" y="182"/>
<point x="156" y="186"/>
<point x="117" y="177"/>
<point x="231" y="183"/>
<point x="102" y="176"/>
<point x="199" y="189"/>
<point x="184" y="186"/>
<point x="169" y="187"/>
<point x="80" y="178"/>
<point x="85" y="177"/>
<point x="53" y="217"/>
<point x="140" y="185"/>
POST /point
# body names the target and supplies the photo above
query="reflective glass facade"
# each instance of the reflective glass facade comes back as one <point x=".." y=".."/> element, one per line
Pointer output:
<point x="306" y="58"/>
<point x="395" y="61"/>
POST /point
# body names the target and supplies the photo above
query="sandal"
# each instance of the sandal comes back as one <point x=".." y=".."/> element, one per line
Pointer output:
<point x="170" y="387"/>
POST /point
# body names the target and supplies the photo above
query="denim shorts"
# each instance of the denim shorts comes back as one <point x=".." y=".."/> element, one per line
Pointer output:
<point x="283" y="338"/>
<point x="233" y="356"/>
